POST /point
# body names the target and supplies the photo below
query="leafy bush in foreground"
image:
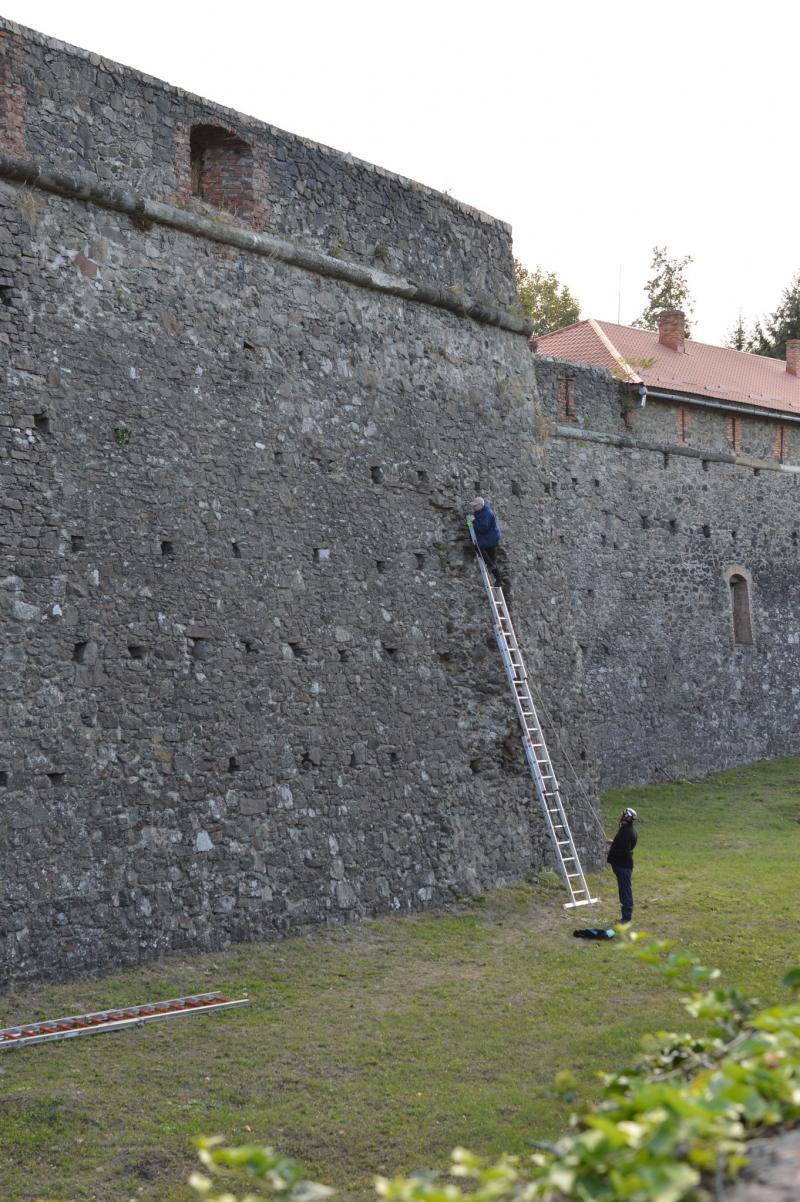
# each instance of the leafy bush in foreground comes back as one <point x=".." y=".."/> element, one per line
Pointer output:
<point x="672" y="1129"/>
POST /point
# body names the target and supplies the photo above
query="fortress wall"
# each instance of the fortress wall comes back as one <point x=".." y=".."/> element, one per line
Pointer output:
<point x="79" y="113"/>
<point x="248" y="675"/>
<point x="652" y="531"/>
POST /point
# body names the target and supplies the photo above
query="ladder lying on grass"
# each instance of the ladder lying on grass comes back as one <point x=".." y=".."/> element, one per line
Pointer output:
<point x="113" y="1020"/>
<point x="536" y="753"/>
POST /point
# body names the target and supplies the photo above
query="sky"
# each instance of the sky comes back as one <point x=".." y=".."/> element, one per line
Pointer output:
<point x="597" y="130"/>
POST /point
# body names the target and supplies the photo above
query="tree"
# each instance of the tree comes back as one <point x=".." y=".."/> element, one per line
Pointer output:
<point x="667" y="288"/>
<point x="549" y="303"/>
<point x="738" y="339"/>
<point x="770" y="336"/>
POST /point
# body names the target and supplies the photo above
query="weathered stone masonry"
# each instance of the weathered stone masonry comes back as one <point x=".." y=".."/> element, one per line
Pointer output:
<point x="662" y="508"/>
<point x="247" y="675"/>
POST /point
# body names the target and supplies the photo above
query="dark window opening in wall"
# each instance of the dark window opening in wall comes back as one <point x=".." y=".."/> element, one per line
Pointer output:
<point x="236" y="551"/>
<point x="55" y="778"/>
<point x="233" y="764"/>
<point x="794" y="538"/>
<point x="344" y="655"/>
<point x="756" y="471"/>
<point x="665" y="460"/>
<point x="706" y="532"/>
<point x="733" y="536"/>
<point x="422" y="477"/>
<point x="79" y="652"/>
<point x="740" y="607"/>
<point x="567" y="409"/>
<point x="380" y="565"/>
<point x="644" y="519"/>
<point x="77" y="542"/>
<point x="41" y="423"/>
<point x="135" y="651"/>
<point x="673" y="526"/>
<point x="3" y="780"/>
<point x="377" y="475"/>
<point x="705" y="465"/>
<point x="420" y="558"/>
<point x="6" y="299"/>
<point x="222" y="169"/>
<point x="168" y="549"/>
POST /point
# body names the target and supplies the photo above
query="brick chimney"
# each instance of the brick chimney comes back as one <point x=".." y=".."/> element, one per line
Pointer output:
<point x="671" y="324"/>
<point x="793" y="356"/>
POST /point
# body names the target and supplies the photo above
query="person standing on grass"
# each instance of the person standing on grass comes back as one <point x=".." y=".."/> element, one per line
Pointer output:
<point x="620" y="857"/>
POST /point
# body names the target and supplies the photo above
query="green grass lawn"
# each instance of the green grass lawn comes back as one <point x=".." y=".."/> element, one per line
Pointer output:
<point x="381" y="1047"/>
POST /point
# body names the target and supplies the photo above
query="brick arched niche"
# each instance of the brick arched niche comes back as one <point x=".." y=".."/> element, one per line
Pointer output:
<point x="739" y="584"/>
<point x="222" y="169"/>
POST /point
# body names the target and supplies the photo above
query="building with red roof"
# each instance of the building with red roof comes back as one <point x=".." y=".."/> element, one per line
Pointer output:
<point x="664" y="364"/>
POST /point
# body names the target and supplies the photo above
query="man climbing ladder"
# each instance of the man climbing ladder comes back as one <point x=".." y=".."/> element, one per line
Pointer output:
<point x="486" y="536"/>
<point x="536" y="753"/>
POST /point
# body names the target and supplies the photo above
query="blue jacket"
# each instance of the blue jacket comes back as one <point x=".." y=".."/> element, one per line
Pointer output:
<point x="486" y="527"/>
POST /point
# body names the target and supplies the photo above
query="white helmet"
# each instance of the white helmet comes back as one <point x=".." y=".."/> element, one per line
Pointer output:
<point x="628" y="814"/>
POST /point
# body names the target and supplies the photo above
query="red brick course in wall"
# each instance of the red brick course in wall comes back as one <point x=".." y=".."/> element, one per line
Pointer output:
<point x="567" y="410"/>
<point x="733" y="427"/>
<point x="782" y="443"/>
<point x="229" y="175"/>
<point x="12" y="95"/>
<point x="682" y="423"/>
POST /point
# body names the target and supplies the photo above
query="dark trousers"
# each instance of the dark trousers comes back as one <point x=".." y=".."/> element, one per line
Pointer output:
<point x="497" y="563"/>
<point x="625" y="888"/>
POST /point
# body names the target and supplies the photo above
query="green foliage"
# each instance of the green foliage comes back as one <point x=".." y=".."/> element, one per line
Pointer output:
<point x="770" y="337"/>
<point x="282" y="1178"/>
<point x="671" y="1129"/>
<point x="667" y="288"/>
<point x="549" y="303"/>
<point x="737" y="338"/>
<point x="122" y="436"/>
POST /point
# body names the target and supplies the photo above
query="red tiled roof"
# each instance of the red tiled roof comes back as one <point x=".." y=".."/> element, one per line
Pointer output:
<point x="698" y="370"/>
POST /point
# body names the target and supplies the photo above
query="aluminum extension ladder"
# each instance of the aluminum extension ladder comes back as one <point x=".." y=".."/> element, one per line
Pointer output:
<point x="536" y="753"/>
<point x="113" y="1020"/>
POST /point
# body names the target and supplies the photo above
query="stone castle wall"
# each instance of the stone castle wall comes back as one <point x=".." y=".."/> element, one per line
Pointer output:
<point x="657" y="506"/>
<point x="248" y="676"/>
<point x="76" y="112"/>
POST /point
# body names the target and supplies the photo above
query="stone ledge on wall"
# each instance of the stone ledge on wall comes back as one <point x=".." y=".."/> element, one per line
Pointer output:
<point x="624" y="441"/>
<point x="145" y="211"/>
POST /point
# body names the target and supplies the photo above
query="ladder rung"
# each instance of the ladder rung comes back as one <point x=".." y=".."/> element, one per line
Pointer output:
<point x="539" y="761"/>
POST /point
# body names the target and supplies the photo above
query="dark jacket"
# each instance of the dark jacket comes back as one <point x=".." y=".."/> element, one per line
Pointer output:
<point x="486" y="527"/>
<point x="620" y="853"/>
